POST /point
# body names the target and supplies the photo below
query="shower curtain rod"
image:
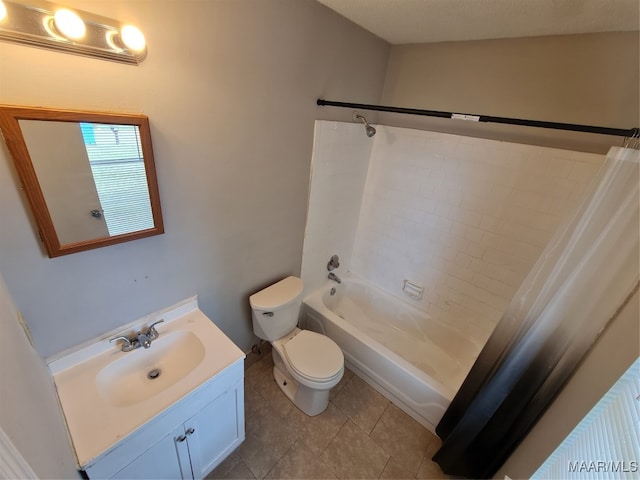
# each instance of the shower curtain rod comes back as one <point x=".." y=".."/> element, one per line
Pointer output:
<point x="620" y="132"/>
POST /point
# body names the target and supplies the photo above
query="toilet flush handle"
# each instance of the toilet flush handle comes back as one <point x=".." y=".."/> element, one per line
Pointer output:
<point x="267" y="314"/>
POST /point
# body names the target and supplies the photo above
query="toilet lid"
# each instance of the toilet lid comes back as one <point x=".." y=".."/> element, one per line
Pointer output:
<point x="314" y="355"/>
<point x="278" y="295"/>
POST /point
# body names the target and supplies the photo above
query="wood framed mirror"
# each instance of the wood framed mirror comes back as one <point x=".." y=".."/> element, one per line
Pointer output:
<point x="89" y="178"/>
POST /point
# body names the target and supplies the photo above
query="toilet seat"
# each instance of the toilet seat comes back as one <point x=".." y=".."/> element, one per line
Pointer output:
<point x="314" y="357"/>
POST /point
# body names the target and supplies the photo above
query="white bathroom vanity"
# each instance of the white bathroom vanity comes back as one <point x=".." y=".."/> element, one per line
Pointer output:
<point x="172" y="410"/>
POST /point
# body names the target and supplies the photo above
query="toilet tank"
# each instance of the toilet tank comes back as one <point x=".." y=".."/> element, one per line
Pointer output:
<point x="275" y="309"/>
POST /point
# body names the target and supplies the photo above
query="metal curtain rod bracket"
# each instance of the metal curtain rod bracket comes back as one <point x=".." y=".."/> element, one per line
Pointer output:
<point x="619" y="132"/>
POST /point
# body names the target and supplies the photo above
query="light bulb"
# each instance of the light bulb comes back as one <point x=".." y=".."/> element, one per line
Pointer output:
<point x="69" y="24"/>
<point x="132" y="38"/>
<point x="3" y="10"/>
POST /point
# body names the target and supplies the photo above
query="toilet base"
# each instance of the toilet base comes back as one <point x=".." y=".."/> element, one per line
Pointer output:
<point x="312" y="402"/>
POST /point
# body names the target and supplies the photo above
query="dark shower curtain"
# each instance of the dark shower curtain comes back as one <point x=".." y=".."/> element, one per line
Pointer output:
<point x="584" y="277"/>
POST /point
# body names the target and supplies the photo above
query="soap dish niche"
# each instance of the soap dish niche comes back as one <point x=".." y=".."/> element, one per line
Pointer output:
<point x="412" y="290"/>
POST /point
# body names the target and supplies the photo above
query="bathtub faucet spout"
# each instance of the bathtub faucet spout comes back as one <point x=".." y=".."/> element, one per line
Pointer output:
<point x="334" y="277"/>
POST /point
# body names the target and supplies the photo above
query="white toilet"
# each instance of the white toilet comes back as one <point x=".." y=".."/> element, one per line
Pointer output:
<point x="306" y="364"/>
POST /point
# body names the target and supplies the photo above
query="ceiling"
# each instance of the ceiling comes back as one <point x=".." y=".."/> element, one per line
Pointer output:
<point x="425" y="21"/>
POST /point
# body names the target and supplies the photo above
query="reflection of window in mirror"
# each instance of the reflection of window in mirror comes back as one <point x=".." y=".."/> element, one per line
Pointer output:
<point x="117" y="164"/>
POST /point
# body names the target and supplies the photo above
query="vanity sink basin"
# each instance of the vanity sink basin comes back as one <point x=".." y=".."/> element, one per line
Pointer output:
<point x="140" y="374"/>
<point x="107" y="394"/>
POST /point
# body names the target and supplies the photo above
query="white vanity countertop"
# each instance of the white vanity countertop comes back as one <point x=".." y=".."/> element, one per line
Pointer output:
<point x="96" y="419"/>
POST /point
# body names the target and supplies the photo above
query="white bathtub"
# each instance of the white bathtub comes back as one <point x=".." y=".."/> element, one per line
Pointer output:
<point x="415" y="361"/>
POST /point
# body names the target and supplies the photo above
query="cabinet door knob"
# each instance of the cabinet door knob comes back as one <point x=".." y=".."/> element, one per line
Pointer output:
<point x="190" y="431"/>
<point x="181" y="438"/>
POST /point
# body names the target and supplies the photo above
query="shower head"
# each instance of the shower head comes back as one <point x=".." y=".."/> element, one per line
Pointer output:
<point x="368" y="128"/>
<point x="370" y="131"/>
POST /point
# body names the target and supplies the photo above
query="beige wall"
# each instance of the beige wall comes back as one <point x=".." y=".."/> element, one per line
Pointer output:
<point x="230" y="88"/>
<point x="29" y="412"/>
<point x="590" y="79"/>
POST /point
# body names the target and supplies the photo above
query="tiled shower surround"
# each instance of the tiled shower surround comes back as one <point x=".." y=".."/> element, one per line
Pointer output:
<point x="464" y="218"/>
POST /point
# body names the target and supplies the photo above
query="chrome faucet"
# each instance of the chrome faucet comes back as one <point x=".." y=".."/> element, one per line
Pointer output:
<point x="140" y="339"/>
<point x="143" y="339"/>
<point x="334" y="262"/>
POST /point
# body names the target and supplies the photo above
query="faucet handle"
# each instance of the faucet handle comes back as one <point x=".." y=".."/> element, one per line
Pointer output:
<point x="121" y="337"/>
<point x="151" y="329"/>
<point x="334" y="262"/>
<point x="126" y="342"/>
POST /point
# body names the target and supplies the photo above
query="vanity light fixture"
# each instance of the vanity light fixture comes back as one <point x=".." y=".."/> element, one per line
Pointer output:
<point x="69" y="24"/>
<point x="132" y="38"/>
<point x="44" y="24"/>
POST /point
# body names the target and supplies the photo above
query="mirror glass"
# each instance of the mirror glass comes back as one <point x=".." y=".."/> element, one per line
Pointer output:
<point x="90" y="178"/>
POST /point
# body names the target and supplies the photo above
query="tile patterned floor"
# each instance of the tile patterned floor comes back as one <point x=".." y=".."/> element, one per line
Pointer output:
<point x="361" y="435"/>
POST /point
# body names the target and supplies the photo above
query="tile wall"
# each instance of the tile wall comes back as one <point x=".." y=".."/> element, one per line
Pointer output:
<point x="464" y="218"/>
<point x="339" y="167"/>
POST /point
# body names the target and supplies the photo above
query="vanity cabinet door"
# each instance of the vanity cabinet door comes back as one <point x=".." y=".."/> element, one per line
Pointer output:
<point x="171" y="447"/>
<point x="216" y="430"/>
<point x="164" y="460"/>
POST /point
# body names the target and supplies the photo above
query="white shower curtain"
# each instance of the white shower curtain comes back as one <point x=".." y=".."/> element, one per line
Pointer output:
<point x="588" y="271"/>
<point x="591" y="264"/>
